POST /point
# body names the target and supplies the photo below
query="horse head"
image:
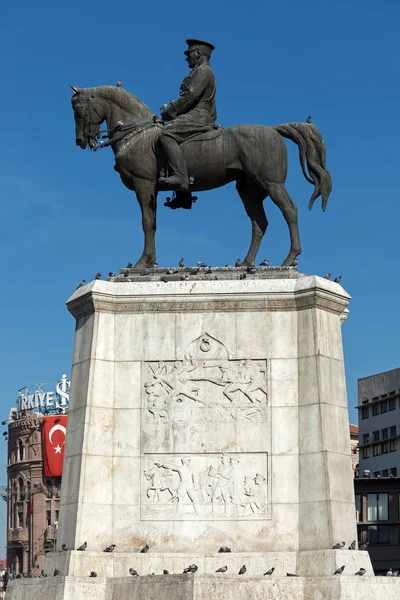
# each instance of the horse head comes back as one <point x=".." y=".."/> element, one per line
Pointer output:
<point x="94" y="105"/>
<point x="89" y="114"/>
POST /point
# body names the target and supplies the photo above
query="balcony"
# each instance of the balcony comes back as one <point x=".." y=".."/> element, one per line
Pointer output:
<point x="18" y="535"/>
<point x="50" y="533"/>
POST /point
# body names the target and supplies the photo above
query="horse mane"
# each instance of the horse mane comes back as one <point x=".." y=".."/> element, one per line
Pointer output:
<point x="120" y="96"/>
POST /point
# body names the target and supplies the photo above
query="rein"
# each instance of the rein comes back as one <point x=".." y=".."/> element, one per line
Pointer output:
<point x="121" y="130"/>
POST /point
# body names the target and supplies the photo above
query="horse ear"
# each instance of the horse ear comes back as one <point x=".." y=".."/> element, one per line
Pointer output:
<point x="75" y="89"/>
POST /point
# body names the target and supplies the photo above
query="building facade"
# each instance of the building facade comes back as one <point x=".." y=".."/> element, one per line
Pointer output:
<point x="379" y="424"/>
<point x="33" y="500"/>
<point x="378" y="520"/>
<point x="354" y="448"/>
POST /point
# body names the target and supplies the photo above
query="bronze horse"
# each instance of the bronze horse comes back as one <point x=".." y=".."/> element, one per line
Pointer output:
<point x="254" y="156"/>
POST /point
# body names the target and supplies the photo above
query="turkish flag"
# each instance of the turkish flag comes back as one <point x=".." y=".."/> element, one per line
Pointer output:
<point x="53" y="438"/>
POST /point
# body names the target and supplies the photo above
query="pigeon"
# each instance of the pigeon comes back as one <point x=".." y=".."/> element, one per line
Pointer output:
<point x="171" y="271"/>
<point x="93" y="574"/>
<point x="184" y="277"/>
<point x="222" y="570"/>
<point x="146" y="272"/>
<point x="338" y="279"/>
<point x="133" y="572"/>
<point x="56" y="572"/>
<point x="339" y="546"/>
<point x="155" y="265"/>
<point x="83" y="547"/>
<point x="270" y="571"/>
<point x="164" y="279"/>
<point x="109" y="548"/>
<point x="291" y="575"/>
<point x="364" y="546"/>
<point x="119" y="83"/>
<point x="129" y="265"/>
<point x="81" y="284"/>
<point x="352" y="545"/>
<point x="201" y="264"/>
<point x="395" y="574"/>
<point x="182" y="263"/>
<point x="165" y="572"/>
<point x="360" y="572"/>
<point x="264" y="263"/>
<point x="208" y="270"/>
<point x="195" y="271"/>
<point x="390" y="572"/>
<point x="309" y="120"/>
<point x="43" y="573"/>
<point x="238" y="262"/>
<point x="191" y="569"/>
<point x="225" y="549"/>
<point x="111" y="274"/>
<point x="64" y="547"/>
<point x="242" y="276"/>
<point x="98" y="276"/>
<point x="340" y="570"/>
<point x="242" y="570"/>
<point x="251" y="270"/>
<point x="294" y="263"/>
<point x="145" y="549"/>
<point x="328" y="276"/>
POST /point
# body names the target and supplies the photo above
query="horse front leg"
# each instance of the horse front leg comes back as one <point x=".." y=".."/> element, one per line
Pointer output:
<point x="147" y="197"/>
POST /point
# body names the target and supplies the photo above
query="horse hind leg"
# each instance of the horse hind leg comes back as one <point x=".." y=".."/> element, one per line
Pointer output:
<point x="252" y="197"/>
<point x="283" y="201"/>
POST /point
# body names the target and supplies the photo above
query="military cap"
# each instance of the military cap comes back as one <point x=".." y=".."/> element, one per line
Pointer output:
<point x="199" y="45"/>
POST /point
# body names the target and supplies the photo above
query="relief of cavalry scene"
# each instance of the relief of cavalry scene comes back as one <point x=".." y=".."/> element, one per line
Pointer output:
<point x="207" y="391"/>
<point x="205" y="486"/>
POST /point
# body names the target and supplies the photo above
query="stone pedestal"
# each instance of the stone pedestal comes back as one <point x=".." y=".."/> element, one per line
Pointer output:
<point x="207" y="413"/>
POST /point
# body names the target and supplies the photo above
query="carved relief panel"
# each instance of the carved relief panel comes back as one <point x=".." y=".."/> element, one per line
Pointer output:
<point x="205" y="436"/>
<point x="205" y="487"/>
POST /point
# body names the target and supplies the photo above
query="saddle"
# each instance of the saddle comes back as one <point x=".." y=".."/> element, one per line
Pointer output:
<point x="211" y="134"/>
<point x="182" y="199"/>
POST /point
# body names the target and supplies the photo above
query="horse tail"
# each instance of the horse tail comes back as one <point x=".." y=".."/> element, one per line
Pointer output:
<point x="312" y="152"/>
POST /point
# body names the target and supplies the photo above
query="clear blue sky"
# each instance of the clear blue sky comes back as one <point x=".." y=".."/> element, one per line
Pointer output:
<point x="65" y="214"/>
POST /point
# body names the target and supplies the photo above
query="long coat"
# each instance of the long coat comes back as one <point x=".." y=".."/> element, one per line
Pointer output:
<point x="195" y="110"/>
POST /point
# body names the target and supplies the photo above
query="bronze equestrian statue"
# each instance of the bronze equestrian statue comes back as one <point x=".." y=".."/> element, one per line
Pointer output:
<point x="187" y="152"/>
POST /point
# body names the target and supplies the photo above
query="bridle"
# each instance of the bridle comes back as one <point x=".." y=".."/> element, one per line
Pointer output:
<point x="107" y="137"/>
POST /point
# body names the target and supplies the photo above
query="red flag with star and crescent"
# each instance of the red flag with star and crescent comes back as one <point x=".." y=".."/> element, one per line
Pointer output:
<point x="54" y="430"/>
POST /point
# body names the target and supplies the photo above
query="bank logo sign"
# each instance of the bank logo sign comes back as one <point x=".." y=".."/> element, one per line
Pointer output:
<point x="46" y="397"/>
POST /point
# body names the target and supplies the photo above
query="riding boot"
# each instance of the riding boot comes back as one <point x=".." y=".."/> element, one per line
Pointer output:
<point x="179" y="180"/>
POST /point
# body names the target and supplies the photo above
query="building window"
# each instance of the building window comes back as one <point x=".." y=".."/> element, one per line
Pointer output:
<point x="375" y="410"/>
<point x="385" y="433"/>
<point x="377" y="507"/>
<point x="385" y="447"/>
<point x="393" y="472"/>
<point x="365" y="438"/>
<point x="393" y="431"/>
<point x="392" y="404"/>
<point x="48" y="517"/>
<point x="378" y="534"/>
<point x="376" y="450"/>
<point x="21" y="489"/>
<point x="384" y="406"/>
<point x="365" y="452"/>
<point x="375" y="436"/>
<point x="365" y="412"/>
<point x="393" y="445"/>
<point x="358" y="507"/>
<point x="385" y="473"/>
<point x="20" y="450"/>
<point x="21" y="519"/>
